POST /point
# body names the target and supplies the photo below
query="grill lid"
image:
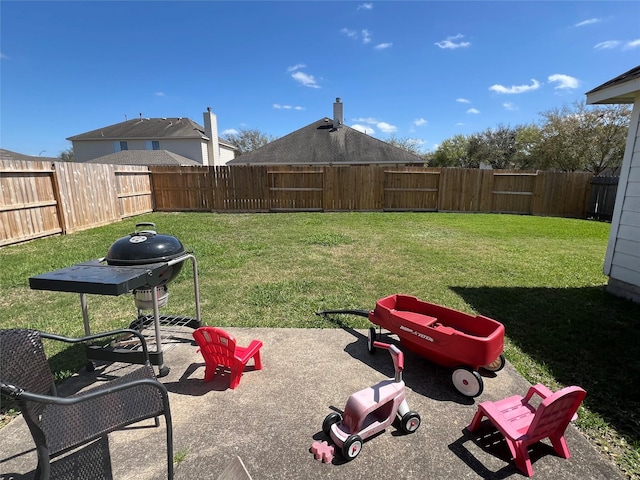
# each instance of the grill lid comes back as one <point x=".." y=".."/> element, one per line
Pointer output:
<point x="144" y="246"/>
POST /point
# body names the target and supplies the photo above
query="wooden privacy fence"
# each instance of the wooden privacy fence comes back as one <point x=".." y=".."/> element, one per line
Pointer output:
<point x="43" y="198"/>
<point x="369" y="188"/>
<point x="603" y="197"/>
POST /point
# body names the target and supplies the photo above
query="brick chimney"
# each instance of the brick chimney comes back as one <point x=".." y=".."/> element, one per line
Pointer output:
<point x="211" y="131"/>
<point x="338" y="116"/>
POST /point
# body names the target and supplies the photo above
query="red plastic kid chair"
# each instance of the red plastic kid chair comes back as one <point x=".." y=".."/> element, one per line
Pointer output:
<point x="219" y="348"/>
<point x="522" y="424"/>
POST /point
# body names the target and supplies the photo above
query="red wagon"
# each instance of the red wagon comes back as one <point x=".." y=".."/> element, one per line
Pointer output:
<point x="443" y="335"/>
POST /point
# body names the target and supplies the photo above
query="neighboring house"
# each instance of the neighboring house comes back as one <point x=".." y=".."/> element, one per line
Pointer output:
<point x="181" y="136"/>
<point x="145" y="157"/>
<point x="622" y="260"/>
<point x="328" y="142"/>
<point x="9" y="155"/>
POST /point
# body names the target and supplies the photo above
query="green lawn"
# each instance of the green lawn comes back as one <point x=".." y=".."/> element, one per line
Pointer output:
<point x="541" y="277"/>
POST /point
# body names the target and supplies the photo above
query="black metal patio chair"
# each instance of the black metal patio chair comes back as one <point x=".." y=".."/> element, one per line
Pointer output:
<point x="59" y="424"/>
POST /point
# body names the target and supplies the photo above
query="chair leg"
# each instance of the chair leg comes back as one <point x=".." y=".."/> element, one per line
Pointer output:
<point x="477" y="418"/>
<point x="43" y="470"/>
<point x="236" y="375"/>
<point x="560" y="446"/>
<point x="521" y="457"/>
<point x="167" y="418"/>
<point x="257" y="360"/>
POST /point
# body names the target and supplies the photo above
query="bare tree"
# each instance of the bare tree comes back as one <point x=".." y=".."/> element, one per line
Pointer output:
<point x="248" y="140"/>
<point x="411" y="145"/>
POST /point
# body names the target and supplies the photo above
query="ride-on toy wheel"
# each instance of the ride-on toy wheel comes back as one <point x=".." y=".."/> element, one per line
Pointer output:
<point x="497" y="365"/>
<point x="352" y="447"/>
<point x="370" y="339"/>
<point x="410" y="422"/>
<point x="329" y="420"/>
<point x="468" y="382"/>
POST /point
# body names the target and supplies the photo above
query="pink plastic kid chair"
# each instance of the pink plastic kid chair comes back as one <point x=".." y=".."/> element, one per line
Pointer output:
<point x="219" y="348"/>
<point x="522" y="424"/>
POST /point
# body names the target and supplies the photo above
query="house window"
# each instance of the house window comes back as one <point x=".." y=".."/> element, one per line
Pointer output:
<point x="119" y="146"/>
<point x="153" y="145"/>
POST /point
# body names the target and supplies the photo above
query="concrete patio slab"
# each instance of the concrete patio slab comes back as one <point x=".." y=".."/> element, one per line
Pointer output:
<point x="271" y="420"/>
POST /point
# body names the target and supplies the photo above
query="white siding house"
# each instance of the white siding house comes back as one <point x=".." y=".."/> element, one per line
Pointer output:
<point x="622" y="260"/>
<point x="180" y="136"/>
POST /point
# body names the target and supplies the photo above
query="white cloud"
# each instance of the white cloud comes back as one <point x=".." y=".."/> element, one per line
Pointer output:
<point x="632" y="44"/>
<point x="474" y="111"/>
<point x="365" y="6"/>
<point x="514" y="89"/>
<point x="383" y="46"/>
<point x="277" y="106"/>
<point x="607" y="45"/>
<point x="584" y="23"/>
<point x="364" y="35"/>
<point x="3" y="56"/>
<point x="369" y="120"/>
<point x="305" y="79"/>
<point x="460" y="124"/>
<point x="230" y="131"/>
<point x="159" y="94"/>
<point x="382" y="126"/>
<point x="462" y="100"/>
<point x="386" y="127"/>
<point x="349" y="33"/>
<point x="564" y="81"/>
<point x="509" y="106"/>
<point x="419" y="122"/>
<point x="363" y="129"/>
<point x="611" y="44"/>
<point x="298" y="66"/>
<point x="449" y="43"/>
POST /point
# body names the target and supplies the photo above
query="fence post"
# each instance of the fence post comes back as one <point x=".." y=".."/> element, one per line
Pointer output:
<point x="58" y="198"/>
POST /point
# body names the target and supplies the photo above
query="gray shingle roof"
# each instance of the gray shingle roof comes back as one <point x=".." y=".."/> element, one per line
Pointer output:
<point x="146" y="129"/>
<point x="9" y="155"/>
<point x="320" y="144"/>
<point x="145" y="157"/>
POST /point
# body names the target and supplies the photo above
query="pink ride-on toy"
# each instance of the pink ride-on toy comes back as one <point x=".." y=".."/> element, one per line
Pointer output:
<point x="371" y="410"/>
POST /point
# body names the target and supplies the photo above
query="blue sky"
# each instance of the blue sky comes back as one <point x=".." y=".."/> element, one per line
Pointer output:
<point x="424" y="70"/>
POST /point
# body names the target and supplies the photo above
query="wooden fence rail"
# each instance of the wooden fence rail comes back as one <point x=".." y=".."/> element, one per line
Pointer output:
<point x="42" y="198"/>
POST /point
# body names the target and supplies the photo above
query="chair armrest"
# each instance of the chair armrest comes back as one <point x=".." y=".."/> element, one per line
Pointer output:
<point x="90" y="395"/>
<point x="541" y="390"/>
<point x="96" y="336"/>
<point x="247" y="352"/>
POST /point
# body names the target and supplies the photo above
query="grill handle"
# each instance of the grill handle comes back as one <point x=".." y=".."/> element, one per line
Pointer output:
<point x="152" y="230"/>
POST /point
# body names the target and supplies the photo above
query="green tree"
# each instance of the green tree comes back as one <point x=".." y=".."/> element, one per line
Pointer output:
<point x="453" y="152"/>
<point x="584" y="138"/>
<point x="248" y="140"/>
<point x="67" y="155"/>
<point x="527" y="141"/>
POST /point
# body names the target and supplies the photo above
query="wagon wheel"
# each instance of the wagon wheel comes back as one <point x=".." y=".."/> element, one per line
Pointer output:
<point x="497" y="365"/>
<point x="370" y="339"/>
<point x="468" y="382"/>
